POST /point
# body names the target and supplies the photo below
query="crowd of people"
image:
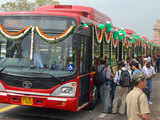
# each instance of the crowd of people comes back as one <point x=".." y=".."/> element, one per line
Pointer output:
<point x="128" y="90"/>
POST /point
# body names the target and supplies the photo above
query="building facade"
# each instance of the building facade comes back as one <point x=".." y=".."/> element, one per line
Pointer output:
<point x="157" y="31"/>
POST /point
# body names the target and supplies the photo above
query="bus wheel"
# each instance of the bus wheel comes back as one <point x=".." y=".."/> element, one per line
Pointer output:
<point x="93" y="102"/>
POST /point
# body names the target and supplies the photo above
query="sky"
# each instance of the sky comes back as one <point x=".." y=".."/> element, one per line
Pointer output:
<point x="138" y="15"/>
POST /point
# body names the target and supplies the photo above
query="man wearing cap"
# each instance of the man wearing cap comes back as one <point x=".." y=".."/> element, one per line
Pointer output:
<point x="136" y="100"/>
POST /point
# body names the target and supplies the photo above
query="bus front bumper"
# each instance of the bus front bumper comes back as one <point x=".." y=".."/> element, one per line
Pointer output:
<point x="68" y="104"/>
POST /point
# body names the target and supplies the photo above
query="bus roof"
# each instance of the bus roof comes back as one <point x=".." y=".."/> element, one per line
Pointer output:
<point x="80" y="13"/>
<point x="25" y="13"/>
<point x="145" y="38"/>
<point x="84" y="11"/>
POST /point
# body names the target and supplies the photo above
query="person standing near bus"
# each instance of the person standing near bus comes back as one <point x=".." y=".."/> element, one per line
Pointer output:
<point x="121" y="90"/>
<point x="136" y="100"/>
<point x="105" y="89"/>
<point x="134" y="67"/>
<point x="150" y="73"/>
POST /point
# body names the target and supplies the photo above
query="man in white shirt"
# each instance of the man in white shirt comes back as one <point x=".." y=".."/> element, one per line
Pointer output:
<point x="121" y="92"/>
<point x="150" y="73"/>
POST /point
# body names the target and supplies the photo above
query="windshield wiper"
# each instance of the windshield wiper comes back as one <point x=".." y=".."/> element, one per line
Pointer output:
<point x="1" y="70"/>
<point x="53" y="77"/>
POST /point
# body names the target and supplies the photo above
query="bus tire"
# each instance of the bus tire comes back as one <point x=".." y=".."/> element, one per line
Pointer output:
<point x="93" y="102"/>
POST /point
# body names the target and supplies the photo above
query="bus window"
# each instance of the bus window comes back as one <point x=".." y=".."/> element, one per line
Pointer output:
<point x="106" y="49"/>
<point x="14" y="49"/>
<point x="83" y="54"/>
<point x="54" y="57"/>
<point x="15" y="52"/>
<point x="97" y="49"/>
<point x="114" y="55"/>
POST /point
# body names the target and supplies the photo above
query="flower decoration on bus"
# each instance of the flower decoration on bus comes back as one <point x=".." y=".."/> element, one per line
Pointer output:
<point x="102" y="30"/>
<point x="108" y="37"/>
<point x="85" y="26"/>
<point x="101" y="26"/>
<point x="135" y="40"/>
<point x="108" y="26"/>
<point x="122" y="35"/>
<point x="55" y="39"/>
<point x="151" y="43"/>
<point x="127" y="43"/>
<point x="155" y="43"/>
<point x="148" y="45"/>
<point x="16" y="35"/>
<point x="99" y="34"/>
<point x="115" y="37"/>
<point x="130" y="41"/>
<point x="109" y="30"/>
<point x="141" y="41"/>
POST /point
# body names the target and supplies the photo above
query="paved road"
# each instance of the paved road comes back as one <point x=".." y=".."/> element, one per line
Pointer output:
<point x="10" y="112"/>
<point x="32" y="113"/>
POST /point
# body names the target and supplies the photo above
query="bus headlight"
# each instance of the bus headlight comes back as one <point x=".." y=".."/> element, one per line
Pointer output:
<point x="2" y="87"/>
<point x="66" y="90"/>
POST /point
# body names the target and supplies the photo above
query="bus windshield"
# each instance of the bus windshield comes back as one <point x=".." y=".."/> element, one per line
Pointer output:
<point x="47" y="23"/>
<point x="57" y="59"/>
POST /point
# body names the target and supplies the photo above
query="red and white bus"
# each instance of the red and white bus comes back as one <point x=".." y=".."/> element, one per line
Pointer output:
<point x="46" y="57"/>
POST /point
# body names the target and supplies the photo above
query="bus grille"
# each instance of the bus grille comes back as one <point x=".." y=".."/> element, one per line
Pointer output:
<point x="33" y="83"/>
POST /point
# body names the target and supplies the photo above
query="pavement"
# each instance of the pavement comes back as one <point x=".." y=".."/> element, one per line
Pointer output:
<point x="155" y="107"/>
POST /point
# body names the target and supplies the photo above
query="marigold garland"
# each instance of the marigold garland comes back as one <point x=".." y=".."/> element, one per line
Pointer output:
<point x="127" y="44"/>
<point x="115" y="42"/>
<point x="100" y="35"/>
<point x="54" y="39"/>
<point x="16" y="35"/>
<point x="135" y="44"/>
<point x="109" y="37"/>
<point x="124" y="41"/>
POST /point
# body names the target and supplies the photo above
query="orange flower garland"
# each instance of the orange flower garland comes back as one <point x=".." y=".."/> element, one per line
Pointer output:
<point x="16" y="35"/>
<point x="52" y="39"/>
<point x="99" y="36"/>
<point x="109" y="37"/>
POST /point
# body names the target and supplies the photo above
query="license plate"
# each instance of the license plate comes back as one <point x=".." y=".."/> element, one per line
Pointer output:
<point x="27" y="101"/>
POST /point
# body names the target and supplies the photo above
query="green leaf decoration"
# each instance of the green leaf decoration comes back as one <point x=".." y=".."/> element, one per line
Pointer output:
<point x="133" y="41"/>
<point x="108" y="26"/>
<point x="150" y="42"/>
<point x="85" y="26"/>
<point x="136" y="36"/>
<point x="115" y="34"/>
<point x="121" y="34"/>
<point x="101" y="26"/>
<point x="142" y="39"/>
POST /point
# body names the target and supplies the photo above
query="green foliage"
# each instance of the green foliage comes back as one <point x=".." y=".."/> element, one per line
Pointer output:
<point x="45" y="2"/>
<point x="22" y="5"/>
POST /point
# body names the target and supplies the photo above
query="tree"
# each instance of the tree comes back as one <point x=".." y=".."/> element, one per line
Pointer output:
<point x="45" y="2"/>
<point x="20" y="5"/>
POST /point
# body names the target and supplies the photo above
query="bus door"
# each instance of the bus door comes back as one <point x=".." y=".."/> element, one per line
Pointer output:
<point x="85" y="62"/>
